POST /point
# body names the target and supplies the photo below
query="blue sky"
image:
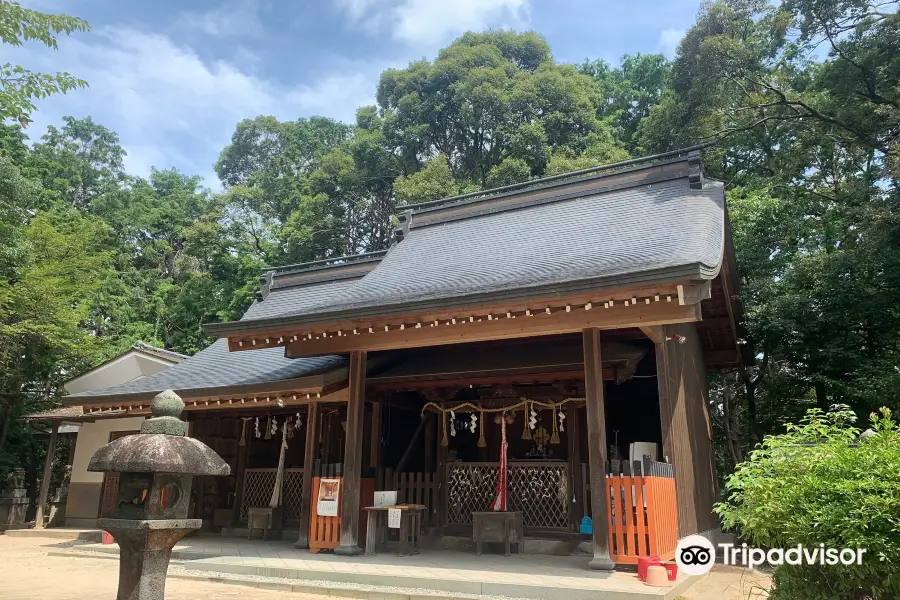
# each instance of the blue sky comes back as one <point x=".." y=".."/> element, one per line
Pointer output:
<point x="173" y="78"/>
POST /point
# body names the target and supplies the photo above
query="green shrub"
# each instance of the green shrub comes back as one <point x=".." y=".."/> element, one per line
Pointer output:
<point x="818" y="483"/>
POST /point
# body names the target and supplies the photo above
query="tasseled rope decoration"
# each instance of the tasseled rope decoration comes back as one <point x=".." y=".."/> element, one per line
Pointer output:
<point x="526" y="430"/>
<point x="482" y="443"/>
<point x="554" y="437"/>
<point x="444" y="440"/>
<point x="268" y="435"/>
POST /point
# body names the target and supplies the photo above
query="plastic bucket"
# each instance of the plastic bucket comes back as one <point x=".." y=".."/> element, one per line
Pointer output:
<point x="643" y="563"/>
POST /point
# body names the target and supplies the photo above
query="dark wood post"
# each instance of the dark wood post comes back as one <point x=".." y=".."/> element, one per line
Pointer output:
<point x="349" y="545"/>
<point x="310" y="451"/>
<point x="573" y="424"/>
<point x="429" y="443"/>
<point x="45" y="478"/>
<point x="596" y="430"/>
<point x="439" y="512"/>
<point x="239" y="472"/>
<point x="375" y="443"/>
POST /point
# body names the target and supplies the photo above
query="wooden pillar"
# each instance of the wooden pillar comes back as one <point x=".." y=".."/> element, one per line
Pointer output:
<point x="239" y="472"/>
<point x="573" y="425"/>
<point x="45" y="478"/>
<point x="310" y="451"/>
<point x="375" y="445"/>
<point x="596" y="431"/>
<point x="439" y="511"/>
<point x="430" y="426"/>
<point x="349" y="545"/>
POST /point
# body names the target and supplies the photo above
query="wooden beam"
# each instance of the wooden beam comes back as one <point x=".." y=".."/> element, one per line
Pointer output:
<point x="596" y="430"/>
<point x="464" y="331"/>
<point x="609" y="374"/>
<point x="654" y="333"/>
<point x="310" y="453"/>
<point x="45" y="477"/>
<point x="412" y="443"/>
<point x="349" y="545"/>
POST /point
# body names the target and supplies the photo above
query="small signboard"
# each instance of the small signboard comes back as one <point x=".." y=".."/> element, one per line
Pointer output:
<point x="329" y="495"/>
<point x="394" y="518"/>
<point x="383" y="499"/>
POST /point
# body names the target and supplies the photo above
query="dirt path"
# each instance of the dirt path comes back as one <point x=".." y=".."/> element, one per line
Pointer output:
<point x="26" y="572"/>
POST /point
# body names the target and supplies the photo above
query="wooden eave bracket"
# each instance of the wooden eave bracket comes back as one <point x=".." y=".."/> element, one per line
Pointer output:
<point x="694" y="294"/>
<point x="656" y="333"/>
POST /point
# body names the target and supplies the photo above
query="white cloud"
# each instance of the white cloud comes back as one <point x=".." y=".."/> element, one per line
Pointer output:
<point x="669" y="40"/>
<point x="232" y="19"/>
<point x="169" y="107"/>
<point x="429" y="22"/>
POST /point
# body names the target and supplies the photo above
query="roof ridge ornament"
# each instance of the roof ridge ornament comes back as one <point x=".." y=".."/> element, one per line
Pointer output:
<point x="265" y="285"/>
<point x="695" y="170"/>
<point x="165" y="407"/>
<point x="404" y="221"/>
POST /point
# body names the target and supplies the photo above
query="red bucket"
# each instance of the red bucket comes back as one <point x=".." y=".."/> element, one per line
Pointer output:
<point x="671" y="570"/>
<point x="644" y="562"/>
<point x="106" y="537"/>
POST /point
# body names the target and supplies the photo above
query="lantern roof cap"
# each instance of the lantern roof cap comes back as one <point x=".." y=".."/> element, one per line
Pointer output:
<point x="161" y="446"/>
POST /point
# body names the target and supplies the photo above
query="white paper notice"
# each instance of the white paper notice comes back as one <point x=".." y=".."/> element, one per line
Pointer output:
<point x="394" y="518"/>
<point x="329" y="495"/>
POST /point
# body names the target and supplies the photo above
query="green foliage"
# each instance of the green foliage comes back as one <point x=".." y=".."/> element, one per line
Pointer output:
<point x="817" y="483"/>
<point x="19" y="87"/>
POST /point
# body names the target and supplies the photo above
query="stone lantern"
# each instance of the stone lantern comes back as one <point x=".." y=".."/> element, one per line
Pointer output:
<point x="156" y="468"/>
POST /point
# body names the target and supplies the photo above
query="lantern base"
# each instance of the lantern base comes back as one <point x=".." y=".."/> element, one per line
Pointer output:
<point x="145" y="548"/>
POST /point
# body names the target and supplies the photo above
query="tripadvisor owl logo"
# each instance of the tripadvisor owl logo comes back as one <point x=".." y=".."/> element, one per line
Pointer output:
<point x="695" y="555"/>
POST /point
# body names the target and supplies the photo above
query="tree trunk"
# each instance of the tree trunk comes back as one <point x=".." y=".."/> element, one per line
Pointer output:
<point x="4" y="425"/>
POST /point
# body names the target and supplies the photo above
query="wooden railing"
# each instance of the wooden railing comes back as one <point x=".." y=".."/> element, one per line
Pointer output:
<point x="541" y="490"/>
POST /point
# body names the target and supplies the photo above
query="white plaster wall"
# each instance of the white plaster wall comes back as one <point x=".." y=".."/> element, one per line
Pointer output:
<point x="91" y="437"/>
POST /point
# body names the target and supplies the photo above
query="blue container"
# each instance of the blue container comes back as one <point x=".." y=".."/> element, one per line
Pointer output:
<point x="587" y="526"/>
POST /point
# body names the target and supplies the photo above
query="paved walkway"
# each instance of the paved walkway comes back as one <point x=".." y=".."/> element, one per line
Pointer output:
<point x="537" y="576"/>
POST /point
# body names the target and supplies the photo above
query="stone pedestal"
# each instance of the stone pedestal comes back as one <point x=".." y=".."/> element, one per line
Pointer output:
<point x="58" y="507"/>
<point x="14" y="501"/>
<point x="145" y="547"/>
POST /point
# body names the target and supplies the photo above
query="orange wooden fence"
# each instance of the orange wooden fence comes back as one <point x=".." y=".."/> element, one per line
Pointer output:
<point x="325" y="532"/>
<point x="643" y="517"/>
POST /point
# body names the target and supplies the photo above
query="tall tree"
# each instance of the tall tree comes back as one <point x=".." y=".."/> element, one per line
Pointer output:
<point x="19" y="87"/>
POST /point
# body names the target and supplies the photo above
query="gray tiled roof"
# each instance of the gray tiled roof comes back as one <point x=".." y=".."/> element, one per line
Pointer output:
<point x="613" y="238"/>
<point x="635" y="230"/>
<point x="216" y="367"/>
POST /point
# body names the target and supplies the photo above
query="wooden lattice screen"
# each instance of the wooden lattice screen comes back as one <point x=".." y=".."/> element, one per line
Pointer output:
<point x="258" y="486"/>
<point x="412" y="488"/>
<point x="539" y="490"/>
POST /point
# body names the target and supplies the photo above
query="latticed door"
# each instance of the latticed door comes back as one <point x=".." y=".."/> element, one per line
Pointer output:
<point x="539" y="490"/>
